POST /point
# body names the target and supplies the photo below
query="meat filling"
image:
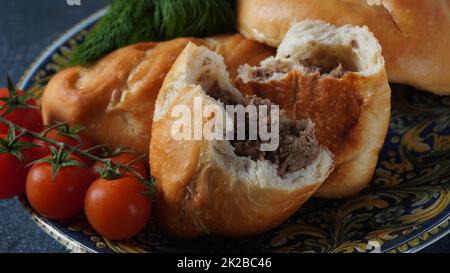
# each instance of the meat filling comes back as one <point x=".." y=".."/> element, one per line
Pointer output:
<point x="336" y="72"/>
<point x="298" y="146"/>
<point x="266" y="73"/>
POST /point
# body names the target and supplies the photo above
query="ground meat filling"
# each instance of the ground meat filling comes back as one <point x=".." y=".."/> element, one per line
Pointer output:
<point x="298" y="146"/>
<point x="337" y="72"/>
<point x="265" y="73"/>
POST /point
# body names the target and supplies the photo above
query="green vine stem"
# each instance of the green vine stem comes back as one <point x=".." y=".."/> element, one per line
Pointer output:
<point x="51" y="141"/>
<point x="108" y="162"/>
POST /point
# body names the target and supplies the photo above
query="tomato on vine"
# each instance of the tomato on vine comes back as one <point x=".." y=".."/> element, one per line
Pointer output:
<point x="15" y="155"/>
<point x="118" y="204"/>
<point x="119" y="208"/>
<point x="72" y="136"/>
<point x="20" y="108"/>
<point x="56" y="185"/>
<point x="125" y="158"/>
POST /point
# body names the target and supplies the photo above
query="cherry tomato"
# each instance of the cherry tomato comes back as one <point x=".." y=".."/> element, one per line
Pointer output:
<point x="117" y="209"/>
<point x="29" y="118"/>
<point x="13" y="172"/>
<point x="124" y="159"/>
<point x="59" y="198"/>
<point x="57" y="135"/>
<point x="13" y="176"/>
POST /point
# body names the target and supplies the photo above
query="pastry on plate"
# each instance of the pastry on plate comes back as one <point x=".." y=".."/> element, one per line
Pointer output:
<point x="336" y="77"/>
<point x="115" y="97"/>
<point x="226" y="187"/>
<point x="414" y="34"/>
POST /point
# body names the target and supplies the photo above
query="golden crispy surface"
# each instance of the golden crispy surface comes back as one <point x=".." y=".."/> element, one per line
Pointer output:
<point x="414" y="34"/>
<point x="351" y="116"/>
<point x="199" y="196"/>
<point x="115" y="97"/>
<point x="334" y="105"/>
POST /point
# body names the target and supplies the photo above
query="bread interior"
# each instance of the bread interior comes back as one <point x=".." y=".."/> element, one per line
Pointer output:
<point x="315" y="47"/>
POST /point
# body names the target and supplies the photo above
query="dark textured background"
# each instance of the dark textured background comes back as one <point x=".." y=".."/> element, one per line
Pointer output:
<point x="26" y="28"/>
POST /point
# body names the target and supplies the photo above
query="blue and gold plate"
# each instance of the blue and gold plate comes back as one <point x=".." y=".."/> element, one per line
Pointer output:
<point x="406" y="208"/>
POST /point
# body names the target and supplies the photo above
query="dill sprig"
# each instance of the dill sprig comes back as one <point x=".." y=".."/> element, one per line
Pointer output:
<point x="133" y="21"/>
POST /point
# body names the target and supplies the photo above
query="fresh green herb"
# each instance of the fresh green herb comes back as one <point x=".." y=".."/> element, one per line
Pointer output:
<point x="133" y="21"/>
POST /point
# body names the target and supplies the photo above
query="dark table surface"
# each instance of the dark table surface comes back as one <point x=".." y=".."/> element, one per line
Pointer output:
<point x="26" y="28"/>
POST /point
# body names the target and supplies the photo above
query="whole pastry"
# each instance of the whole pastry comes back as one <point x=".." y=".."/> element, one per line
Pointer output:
<point x="414" y="34"/>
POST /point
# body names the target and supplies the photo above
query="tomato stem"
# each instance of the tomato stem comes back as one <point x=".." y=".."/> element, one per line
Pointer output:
<point x="15" y="100"/>
<point x="62" y="145"/>
<point x="49" y="140"/>
<point x="50" y="128"/>
<point x="16" y="138"/>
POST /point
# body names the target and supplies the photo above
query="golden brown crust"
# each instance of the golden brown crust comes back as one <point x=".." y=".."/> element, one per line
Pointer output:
<point x="334" y="105"/>
<point x="115" y="97"/>
<point x="197" y="194"/>
<point x="198" y="197"/>
<point x="414" y="34"/>
<point x="351" y="117"/>
<point x="350" y="108"/>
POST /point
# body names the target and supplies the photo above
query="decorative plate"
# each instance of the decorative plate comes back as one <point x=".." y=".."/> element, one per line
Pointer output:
<point x="406" y="208"/>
